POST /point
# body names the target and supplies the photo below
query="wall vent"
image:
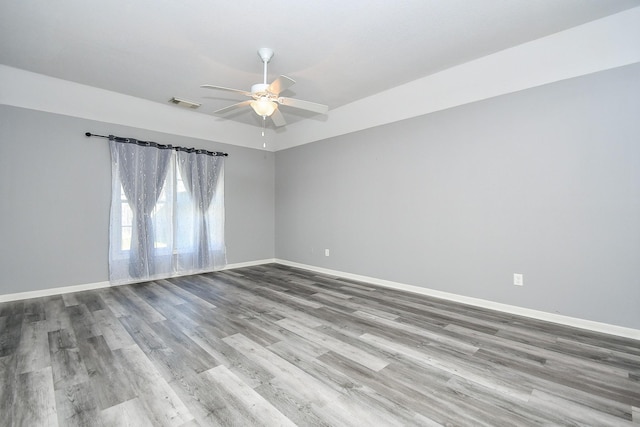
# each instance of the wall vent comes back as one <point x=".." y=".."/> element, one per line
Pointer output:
<point x="184" y="103"/>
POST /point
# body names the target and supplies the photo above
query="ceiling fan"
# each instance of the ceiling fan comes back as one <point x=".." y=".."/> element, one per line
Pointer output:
<point x="265" y="98"/>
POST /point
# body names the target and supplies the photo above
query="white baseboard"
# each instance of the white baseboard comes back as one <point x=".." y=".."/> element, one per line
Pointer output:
<point x="53" y="291"/>
<point x="97" y="285"/>
<point x="527" y="312"/>
<point x="249" y="263"/>
<point x="512" y="309"/>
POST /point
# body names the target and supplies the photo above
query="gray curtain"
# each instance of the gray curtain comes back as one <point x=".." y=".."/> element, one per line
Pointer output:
<point x="200" y="175"/>
<point x="141" y="171"/>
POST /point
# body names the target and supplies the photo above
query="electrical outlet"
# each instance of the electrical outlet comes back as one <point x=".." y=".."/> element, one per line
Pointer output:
<point x="326" y="252"/>
<point x="518" y="279"/>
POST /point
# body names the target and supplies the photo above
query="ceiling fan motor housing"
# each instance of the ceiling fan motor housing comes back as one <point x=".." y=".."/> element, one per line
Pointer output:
<point x="259" y="89"/>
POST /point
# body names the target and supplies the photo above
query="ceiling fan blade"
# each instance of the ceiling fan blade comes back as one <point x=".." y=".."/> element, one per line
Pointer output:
<point x="225" y="110"/>
<point x="243" y="92"/>
<point x="280" y="84"/>
<point x="304" y="105"/>
<point x="278" y="118"/>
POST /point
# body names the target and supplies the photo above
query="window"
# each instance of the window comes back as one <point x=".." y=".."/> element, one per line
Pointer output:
<point x="126" y="222"/>
<point x="164" y="223"/>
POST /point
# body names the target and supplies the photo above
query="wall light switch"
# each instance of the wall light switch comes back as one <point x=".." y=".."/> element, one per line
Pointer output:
<point x="518" y="279"/>
<point x="326" y="252"/>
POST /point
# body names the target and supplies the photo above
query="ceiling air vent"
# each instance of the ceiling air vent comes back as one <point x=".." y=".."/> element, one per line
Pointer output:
<point x="184" y="103"/>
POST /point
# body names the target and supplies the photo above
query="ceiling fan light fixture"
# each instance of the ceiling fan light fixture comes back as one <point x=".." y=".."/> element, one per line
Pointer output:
<point x="265" y="98"/>
<point x="264" y="106"/>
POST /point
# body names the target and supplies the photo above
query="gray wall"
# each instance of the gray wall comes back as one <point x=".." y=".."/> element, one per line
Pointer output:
<point x="543" y="182"/>
<point x="55" y="196"/>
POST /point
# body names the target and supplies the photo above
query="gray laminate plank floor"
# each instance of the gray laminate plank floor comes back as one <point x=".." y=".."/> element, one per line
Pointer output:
<point x="277" y="346"/>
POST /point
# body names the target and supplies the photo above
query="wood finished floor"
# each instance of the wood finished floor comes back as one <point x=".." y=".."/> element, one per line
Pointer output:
<point x="277" y="346"/>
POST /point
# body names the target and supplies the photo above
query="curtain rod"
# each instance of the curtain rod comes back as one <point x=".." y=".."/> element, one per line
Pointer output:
<point x="156" y="145"/>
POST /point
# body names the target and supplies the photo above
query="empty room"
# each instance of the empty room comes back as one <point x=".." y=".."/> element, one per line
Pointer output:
<point x="288" y="213"/>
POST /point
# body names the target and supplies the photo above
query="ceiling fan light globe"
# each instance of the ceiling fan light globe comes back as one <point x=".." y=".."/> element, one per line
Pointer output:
<point x="264" y="107"/>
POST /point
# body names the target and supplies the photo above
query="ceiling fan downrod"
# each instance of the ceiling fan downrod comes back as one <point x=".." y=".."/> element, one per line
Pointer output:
<point x="265" y="54"/>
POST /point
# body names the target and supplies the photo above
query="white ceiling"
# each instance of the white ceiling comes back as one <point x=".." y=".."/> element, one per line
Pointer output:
<point x="337" y="51"/>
